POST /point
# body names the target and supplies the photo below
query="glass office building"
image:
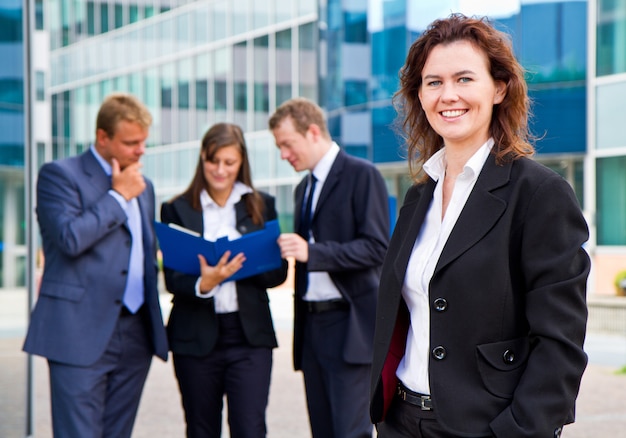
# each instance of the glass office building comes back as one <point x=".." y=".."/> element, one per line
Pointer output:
<point x="607" y="142"/>
<point x="12" y="233"/>
<point x="193" y="63"/>
<point x="197" y="62"/>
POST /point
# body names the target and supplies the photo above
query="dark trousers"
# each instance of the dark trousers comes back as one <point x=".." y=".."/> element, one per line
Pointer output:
<point x="101" y="400"/>
<point x="233" y="368"/>
<point x="337" y="392"/>
<point x="407" y="421"/>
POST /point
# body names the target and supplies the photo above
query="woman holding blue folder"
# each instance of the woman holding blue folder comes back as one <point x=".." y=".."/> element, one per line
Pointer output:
<point x="221" y="332"/>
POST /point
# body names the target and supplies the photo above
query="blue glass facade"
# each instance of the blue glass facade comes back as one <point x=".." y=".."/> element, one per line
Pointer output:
<point x="196" y="62"/>
<point x="13" y="296"/>
<point x="549" y="39"/>
<point x="12" y="230"/>
<point x="11" y="85"/>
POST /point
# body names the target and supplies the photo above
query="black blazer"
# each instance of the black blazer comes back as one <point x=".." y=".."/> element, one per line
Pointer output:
<point x="192" y="325"/>
<point x="508" y="311"/>
<point x="351" y="230"/>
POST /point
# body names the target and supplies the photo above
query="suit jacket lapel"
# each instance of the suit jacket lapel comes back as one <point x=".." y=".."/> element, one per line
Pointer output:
<point x="243" y="219"/>
<point x="192" y="219"/>
<point x="146" y="219"/>
<point x="331" y="181"/>
<point x="480" y="213"/>
<point x="95" y="173"/>
<point x="408" y="228"/>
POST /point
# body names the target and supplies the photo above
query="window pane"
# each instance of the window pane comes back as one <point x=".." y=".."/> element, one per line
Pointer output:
<point x="91" y="18"/>
<point x="39" y="20"/>
<point x="202" y="80"/>
<point x="220" y="20"/>
<point x="202" y="25"/>
<point x="308" y="61"/>
<point x="260" y="17"/>
<point x="202" y="74"/>
<point x="185" y="123"/>
<point x="610" y="115"/>
<point x="611" y="201"/>
<point x="283" y="66"/>
<point x="240" y="84"/>
<point x="240" y="16"/>
<point x="167" y="102"/>
<point x="119" y="15"/>
<point x="284" y="10"/>
<point x="222" y="71"/>
<point x="261" y="83"/>
<point x="104" y="17"/>
<point x="40" y="85"/>
<point x="133" y="13"/>
<point x="184" y="75"/>
<point x="611" y="37"/>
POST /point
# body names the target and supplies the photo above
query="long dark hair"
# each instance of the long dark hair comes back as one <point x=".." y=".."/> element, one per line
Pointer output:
<point x="218" y="136"/>
<point x="509" y="121"/>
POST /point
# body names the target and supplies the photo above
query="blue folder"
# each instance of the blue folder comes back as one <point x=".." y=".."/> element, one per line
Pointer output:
<point x="181" y="248"/>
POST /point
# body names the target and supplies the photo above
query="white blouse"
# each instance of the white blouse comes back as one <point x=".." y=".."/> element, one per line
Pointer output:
<point x="219" y="222"/>
<point x="413" y="368"/>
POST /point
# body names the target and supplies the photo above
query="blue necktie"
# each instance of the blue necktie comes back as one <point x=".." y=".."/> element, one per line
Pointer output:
<point x="134" y="293"/>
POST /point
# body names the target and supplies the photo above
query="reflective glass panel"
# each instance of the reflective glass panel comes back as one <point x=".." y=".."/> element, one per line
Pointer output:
<point x="611" y="37"/>
<point x="611" y="201"/>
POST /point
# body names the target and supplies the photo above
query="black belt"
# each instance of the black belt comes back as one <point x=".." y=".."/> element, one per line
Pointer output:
<point x="325" y="306"/>
<point x="423" y="401"/>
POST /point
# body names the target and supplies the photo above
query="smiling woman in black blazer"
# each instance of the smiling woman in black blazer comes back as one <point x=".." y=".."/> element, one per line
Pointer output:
<point x="220" y="332"/>
<point x="481" y="313"/>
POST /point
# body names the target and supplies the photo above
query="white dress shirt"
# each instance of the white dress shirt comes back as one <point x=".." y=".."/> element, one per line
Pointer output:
<point x="413" y="368"/>
<point x="219" y="222"/>
<point x="321" y="286"/>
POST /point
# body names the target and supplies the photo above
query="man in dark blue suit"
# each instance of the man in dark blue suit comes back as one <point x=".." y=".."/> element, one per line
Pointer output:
<point x="97" y="319"/>
<point x="342" y="224"/>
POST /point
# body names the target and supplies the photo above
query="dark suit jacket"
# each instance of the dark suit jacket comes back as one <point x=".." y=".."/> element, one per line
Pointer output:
<point x="508" y="313"/>
<point x="86" y="245"/>
<point x="192" y="326"/>
<point x="351" y="230"/>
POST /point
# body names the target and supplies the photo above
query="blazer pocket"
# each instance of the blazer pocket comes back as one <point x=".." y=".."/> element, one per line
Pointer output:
<point x="62" y="291"/>
<point x="501" y="365"/>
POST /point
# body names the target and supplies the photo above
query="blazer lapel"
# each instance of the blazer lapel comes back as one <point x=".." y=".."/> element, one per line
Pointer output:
<point x="97" y="176"/>
<point x="480" y="213"/>
<point x="94" y="171"/>
<point x="409" y="224"/>
<point x="244" y="221"/>
<point x="146" y="219"/>
<point x="190" y="218"/>
<point x="331" y="181"/>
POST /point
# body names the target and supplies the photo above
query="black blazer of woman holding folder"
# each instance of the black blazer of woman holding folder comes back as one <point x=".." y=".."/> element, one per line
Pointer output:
<point x="221" y="332"/>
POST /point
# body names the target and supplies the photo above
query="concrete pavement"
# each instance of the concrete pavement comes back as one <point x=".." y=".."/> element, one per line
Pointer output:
<point x="601" y="407"/>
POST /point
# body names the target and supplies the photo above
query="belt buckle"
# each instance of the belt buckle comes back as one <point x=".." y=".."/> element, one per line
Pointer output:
<point x="424" y="402"/>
